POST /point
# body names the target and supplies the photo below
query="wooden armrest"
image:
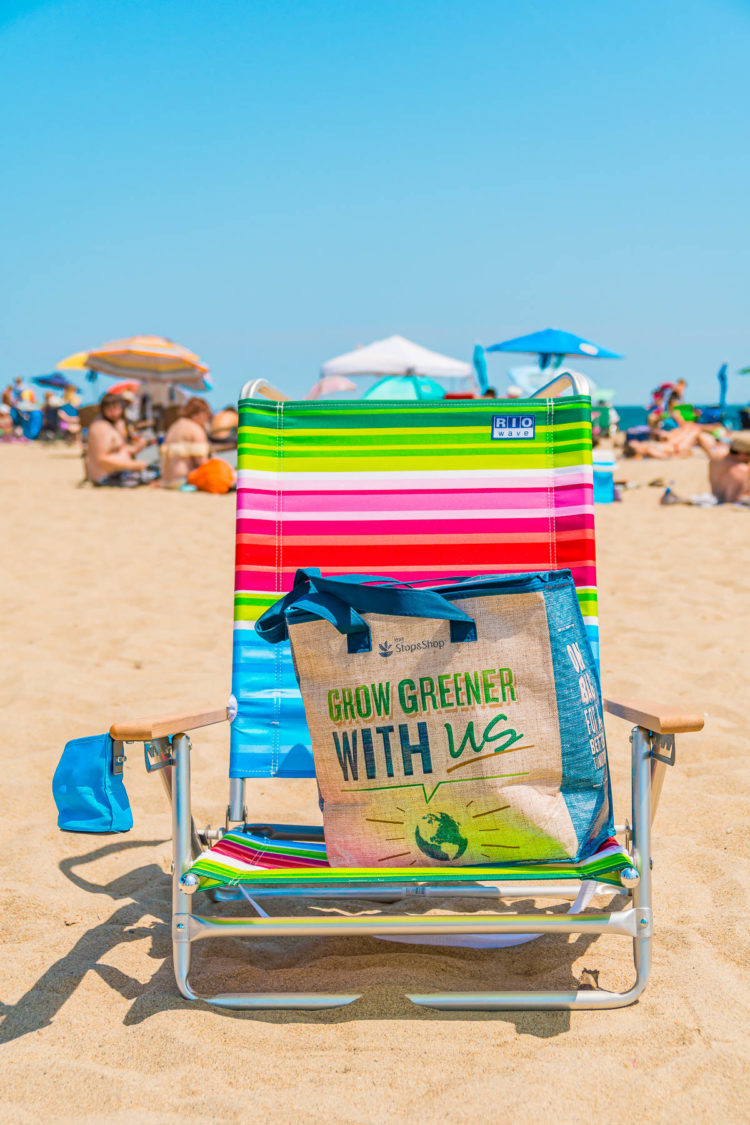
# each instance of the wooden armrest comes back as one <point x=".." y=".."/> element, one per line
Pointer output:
<point x="655" y="716"/>
<point x="158" y="726"/>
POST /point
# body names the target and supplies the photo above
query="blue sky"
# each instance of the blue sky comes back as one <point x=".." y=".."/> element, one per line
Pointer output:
<point x="271" y="183"/>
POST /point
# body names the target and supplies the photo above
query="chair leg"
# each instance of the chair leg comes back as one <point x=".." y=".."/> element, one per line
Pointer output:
<point x="471" y="1001"/>
<point x="585" y="998"/>
<point x="182" y="833"/>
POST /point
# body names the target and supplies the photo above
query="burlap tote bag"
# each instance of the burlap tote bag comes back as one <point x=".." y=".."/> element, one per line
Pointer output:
<point x="459" y="725"/>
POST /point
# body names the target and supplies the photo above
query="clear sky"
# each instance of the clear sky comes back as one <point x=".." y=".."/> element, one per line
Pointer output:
<point x="271" y="182"/>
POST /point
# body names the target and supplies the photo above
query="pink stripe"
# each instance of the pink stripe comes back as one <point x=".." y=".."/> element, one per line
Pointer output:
<point x="246" y="853"/>
<point x="446" y="528"/>
<point x="410" y="500"/>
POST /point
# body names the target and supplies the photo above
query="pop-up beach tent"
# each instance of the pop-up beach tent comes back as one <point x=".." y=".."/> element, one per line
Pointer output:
<point x="397" y="356"/>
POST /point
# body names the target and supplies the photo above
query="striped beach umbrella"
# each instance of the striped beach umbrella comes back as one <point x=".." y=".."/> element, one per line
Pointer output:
<point x="151" y="359"/>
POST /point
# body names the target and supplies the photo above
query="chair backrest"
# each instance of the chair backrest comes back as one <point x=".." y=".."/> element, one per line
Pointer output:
<point x="419" y="491"/>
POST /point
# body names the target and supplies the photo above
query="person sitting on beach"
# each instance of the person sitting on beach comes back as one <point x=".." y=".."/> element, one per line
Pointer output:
<point x="6" y="422"/>
<point x="110" y="458"/>
<point x="70" y="424"/>
<point x="186" y="444"/>
<point x="51" y="422"/>
<point x="223" y="432"/>
<point x="728" y="467"/>
<point x="20" y="392"/>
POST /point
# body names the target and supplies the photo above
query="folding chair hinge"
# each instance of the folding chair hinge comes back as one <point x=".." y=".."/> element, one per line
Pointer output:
<point x="158" y="754"/>
<point x="643" y="923"/>
<point x="664" y="748"/>
<point x="181" y="927"/>
<point x="230" y="820"/>
<point x="118" y="756"/>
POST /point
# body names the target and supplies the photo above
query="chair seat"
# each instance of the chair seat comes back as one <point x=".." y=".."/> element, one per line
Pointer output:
<point x="242" y="856"/>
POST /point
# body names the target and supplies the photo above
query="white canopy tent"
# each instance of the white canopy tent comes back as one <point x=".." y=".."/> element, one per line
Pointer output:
<point x="397" y="356"/>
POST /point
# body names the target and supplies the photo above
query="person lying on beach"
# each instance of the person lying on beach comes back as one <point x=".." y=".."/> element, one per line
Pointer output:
<point x="728" y="467"/>
<point x="110" y="458"/>
<point x="663" y="445"/>
<point x="186" y="444"/>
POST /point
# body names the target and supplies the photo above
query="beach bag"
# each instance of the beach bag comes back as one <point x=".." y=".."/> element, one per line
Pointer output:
<point x="89" y="795"/>
<point x="460" y="724"/>
<point x="213" y="475"/>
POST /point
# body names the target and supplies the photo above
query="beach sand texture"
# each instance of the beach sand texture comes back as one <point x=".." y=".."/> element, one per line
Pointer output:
<point x="118" y="603"/>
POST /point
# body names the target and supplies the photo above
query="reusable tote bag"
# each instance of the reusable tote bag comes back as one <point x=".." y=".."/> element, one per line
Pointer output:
<point x="455" y="725"/>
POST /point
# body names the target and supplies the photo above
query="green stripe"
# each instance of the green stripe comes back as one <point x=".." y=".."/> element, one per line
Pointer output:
<point x="213" y="873"/>
<point x="437" y="459"/>
<point x="398" y="433"/>
<point x="343" y="415"/>
<point x="249" y="607"/>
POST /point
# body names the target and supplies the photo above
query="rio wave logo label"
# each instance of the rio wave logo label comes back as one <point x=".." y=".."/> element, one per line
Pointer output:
<point x="513" y="427"/>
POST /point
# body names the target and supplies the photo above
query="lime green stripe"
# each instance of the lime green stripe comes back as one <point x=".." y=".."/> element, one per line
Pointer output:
<point x="249" y="607"/>
<point x="438" y="459"/>
<point x="394" y="433"/>
<point x="347" y="414"/>
<point x="605" y="870"/>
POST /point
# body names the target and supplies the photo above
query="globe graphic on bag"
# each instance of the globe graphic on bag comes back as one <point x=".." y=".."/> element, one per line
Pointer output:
<point x="439" y="837"/>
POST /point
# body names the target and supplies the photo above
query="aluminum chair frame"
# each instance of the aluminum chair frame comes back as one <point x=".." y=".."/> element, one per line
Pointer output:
<point x="168" y="748"/>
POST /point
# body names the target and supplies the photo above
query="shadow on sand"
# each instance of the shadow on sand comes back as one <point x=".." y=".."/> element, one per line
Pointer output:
<point x="145" y="912"/>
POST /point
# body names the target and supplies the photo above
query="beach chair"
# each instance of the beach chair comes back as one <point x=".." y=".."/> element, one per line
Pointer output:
<point x="420" y="492"/>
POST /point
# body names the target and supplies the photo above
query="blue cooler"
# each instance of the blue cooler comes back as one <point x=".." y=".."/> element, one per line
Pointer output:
<point x="604" y="476"/>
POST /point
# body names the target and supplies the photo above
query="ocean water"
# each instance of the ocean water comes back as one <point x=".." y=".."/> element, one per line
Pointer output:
<point x="637" y="415"/>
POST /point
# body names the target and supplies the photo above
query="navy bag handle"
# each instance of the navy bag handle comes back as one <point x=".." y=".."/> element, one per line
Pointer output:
<point x="342" y="601"/>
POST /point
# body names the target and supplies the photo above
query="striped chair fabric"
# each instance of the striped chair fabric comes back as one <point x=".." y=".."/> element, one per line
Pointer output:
<point x="420" y="492"/>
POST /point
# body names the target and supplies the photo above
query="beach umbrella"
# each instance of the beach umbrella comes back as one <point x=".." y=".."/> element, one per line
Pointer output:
<point x="405" y="388"/>
<point x="151" y="358"/>
<point x="55" y="381"/>
<point x="723" y="377"/>
<point x="75" y="362"/>
<point x="396" y="355"/>
<point x="331" y="385"/>
<point x="127" y="386"/>
<point x="552" y="344"/>
<point x="480" y="366"/>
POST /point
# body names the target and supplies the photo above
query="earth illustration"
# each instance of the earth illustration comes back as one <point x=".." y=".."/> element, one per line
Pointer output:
<point x="439" y="837"/>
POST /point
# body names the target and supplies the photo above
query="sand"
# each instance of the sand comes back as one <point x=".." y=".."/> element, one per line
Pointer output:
<point x="117" y="603"/>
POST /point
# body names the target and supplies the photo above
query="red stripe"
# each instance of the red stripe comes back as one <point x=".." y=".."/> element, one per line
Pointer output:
<point x="385" y="556"/>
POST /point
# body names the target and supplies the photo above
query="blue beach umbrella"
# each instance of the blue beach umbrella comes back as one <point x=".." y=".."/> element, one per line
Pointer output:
<point x="55" y="381"/>
<point x="723" y="377"/>
<point x="405" y="388"/>
<point x="480" y="366"/>
<point x="552" y="344"/>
